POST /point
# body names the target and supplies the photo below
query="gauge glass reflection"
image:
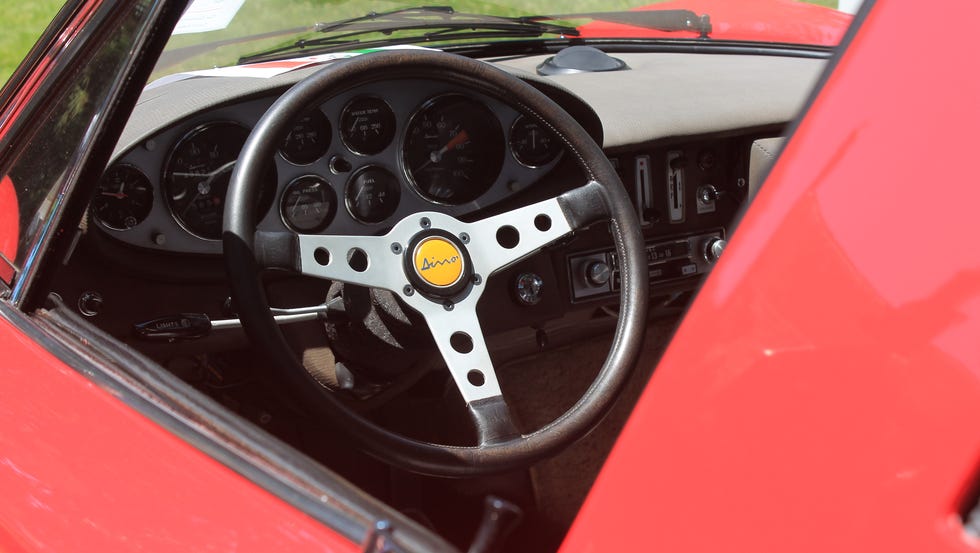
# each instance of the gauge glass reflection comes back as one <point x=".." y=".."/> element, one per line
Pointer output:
<point x="532" y="144"/>
<point x="123" y="199"/>
<point x="454" y="149"/>
<point x="367" y="125"/>
<point x="308" y="140"/>
<point x="372" y="195"/>
<point x="197" y="175"/>
<point x="308" y="204"/>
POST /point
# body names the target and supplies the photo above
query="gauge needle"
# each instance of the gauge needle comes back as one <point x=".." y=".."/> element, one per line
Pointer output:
<point x="116" y="195"/>
<point x="436" y="156"/>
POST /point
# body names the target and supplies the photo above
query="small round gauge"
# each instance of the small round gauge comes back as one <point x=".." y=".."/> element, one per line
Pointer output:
<point x="372" y="194"/>
<point x="454" y="149"/>
<point x="124" y="198"/>
<point x="308" y="140"/>
<point x="532" y="144"/>
<point x="367" y="125"/>
<point x="308" y="204"/>
<point x="197" y="174"/>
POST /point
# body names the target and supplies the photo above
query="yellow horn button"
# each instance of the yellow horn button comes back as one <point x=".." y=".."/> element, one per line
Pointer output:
<point x="438" y="262"/>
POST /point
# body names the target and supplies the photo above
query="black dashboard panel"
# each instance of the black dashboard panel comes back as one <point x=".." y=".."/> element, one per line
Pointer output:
<point x="378" y="153"/>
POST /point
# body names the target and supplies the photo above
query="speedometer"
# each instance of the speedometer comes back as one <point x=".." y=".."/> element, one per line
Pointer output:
<point x="454" y="149"/>
<point x="197" y="175"/>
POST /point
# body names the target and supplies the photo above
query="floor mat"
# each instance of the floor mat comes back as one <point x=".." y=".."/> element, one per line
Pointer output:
<point x="541" y="388"/>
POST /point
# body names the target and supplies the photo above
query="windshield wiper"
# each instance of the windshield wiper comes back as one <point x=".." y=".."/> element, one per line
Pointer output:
<point x="443" y="23"/>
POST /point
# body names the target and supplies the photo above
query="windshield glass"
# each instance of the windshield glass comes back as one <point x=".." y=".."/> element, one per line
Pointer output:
<point x="223" y="33"/>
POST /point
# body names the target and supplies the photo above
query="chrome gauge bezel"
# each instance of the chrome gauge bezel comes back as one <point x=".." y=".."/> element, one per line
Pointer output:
<point x="341" y="128"/>
<point x="149" y="184"/>
<point x="418" y="112"/>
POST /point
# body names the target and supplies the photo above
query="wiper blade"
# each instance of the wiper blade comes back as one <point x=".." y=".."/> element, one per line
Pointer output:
<point x="444" y="22"/>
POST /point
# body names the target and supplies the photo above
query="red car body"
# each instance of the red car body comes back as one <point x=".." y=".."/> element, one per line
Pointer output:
<point x="820" y="394"/>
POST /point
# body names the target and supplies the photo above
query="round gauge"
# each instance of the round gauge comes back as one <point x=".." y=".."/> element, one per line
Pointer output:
<point x="454" y="149"/>
<point x="532" y="144"/>
<point x="197" y="174"/>
<point x="308" y="204"/>
<point x="123" y="199"/>
<point x="372" y="194"/>
<point x="308" y="140"/>
<point x="367" y="125"/>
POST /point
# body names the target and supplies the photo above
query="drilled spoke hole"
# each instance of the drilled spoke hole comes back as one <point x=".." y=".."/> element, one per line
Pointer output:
<point x="322" y="256"/>
<point x="508" y="237"/>
<point x="461" y="342"/>
<point x="357" y="259"/>
<point x="542" y="222"/>
<point x="476" y="378"/>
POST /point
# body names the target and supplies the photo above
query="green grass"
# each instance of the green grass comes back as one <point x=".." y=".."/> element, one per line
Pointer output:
<point x="25" y="21"/>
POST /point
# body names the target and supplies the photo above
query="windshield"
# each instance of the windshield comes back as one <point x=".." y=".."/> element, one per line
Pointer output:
<point x="223" y="33"/>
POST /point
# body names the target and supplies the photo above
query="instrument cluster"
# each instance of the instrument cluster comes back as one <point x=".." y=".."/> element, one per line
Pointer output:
<point x="355" y="164"/>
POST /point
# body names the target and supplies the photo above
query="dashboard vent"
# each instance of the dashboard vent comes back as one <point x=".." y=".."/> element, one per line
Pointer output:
<point x="580" y="59"/>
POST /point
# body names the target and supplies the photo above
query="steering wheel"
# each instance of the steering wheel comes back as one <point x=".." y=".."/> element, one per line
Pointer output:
<point x="439" y="266"/>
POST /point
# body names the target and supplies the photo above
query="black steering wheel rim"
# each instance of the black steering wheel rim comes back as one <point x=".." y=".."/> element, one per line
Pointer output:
<point x="241" y="252"/>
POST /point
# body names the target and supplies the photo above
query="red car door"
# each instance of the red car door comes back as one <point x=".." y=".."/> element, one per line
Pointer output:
<point x="823" y="391"/>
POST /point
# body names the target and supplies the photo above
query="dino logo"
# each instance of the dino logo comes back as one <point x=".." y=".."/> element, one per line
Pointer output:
<point x="438" y="262"/>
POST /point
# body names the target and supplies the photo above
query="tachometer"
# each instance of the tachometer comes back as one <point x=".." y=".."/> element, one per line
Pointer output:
<point x="124" y="198"/>
<point x="454" y="149"/>
<point x="197" y="175"/>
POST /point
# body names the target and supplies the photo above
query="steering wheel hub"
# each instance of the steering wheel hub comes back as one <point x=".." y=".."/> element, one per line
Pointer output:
<point x="438" y="264"/>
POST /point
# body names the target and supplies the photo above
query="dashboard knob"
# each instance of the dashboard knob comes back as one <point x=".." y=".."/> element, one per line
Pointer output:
<point x="528" y="287"/>
<point x="713" y="248"/>
<point x="598" y="273"/>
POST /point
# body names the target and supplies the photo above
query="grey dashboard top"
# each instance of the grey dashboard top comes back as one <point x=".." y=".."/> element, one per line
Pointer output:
<point x="682" y="94"/>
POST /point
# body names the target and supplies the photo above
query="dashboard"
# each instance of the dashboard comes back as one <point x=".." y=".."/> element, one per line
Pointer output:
<point x="355" y="164"/>
<point x="682" y="131"/>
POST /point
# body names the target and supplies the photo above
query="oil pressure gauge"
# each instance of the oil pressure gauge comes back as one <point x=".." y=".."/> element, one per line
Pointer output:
<point x="308" y="204"/>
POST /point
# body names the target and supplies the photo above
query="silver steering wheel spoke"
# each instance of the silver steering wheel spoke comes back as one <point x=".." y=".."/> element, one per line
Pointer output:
<point x="501" y="240"/>
<point x="363" y="260"/>
<point x="459" y="337"/>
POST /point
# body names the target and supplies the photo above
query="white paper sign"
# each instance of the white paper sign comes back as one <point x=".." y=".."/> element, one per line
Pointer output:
<point x="207" y="15"/>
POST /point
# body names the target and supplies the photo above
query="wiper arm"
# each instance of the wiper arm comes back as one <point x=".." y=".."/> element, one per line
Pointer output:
<point x="444" y="21"/>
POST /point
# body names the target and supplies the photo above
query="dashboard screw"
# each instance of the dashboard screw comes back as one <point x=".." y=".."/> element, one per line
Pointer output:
<point x="425" y="222"/>
<point x="448" y="305"/>
<point x="477" y="279"/>
<point x="396" y="248"/>
<point x="408" y="290"/>
<point x="465" y="238"/>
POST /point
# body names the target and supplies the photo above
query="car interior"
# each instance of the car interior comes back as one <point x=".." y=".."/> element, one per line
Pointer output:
<point x="689" y="134"/>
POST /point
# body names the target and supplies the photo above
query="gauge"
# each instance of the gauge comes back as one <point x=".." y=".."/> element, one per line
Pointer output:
<point x="197" y="175"/>
<point x="308" y="140"/>
<point x="372" y="194"/>
<point x="532" y="144"/>
<point x="367" y="125"/>
<point x="454" y="149"/>
<point x="308" y="204"/>
<point x="123" y="199"/>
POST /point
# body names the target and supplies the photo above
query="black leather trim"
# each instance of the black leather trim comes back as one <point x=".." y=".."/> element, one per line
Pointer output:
<point x="410" y="454"/>
<point x="493" y="420"/>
